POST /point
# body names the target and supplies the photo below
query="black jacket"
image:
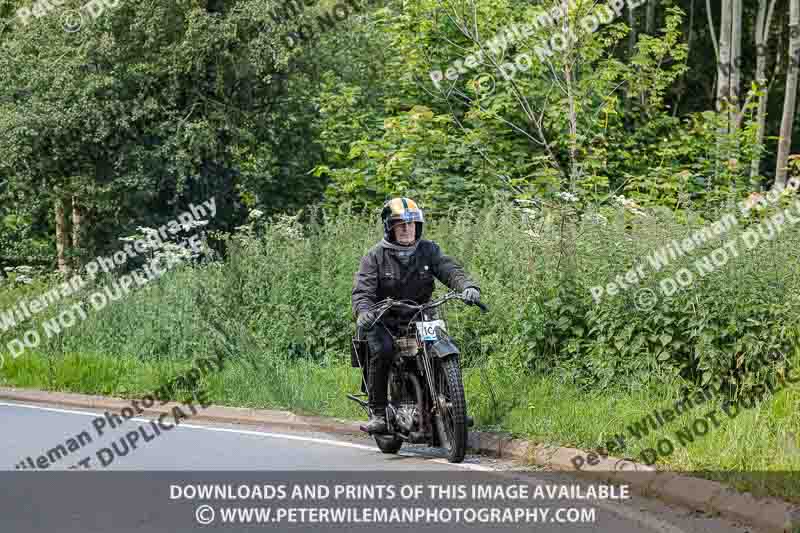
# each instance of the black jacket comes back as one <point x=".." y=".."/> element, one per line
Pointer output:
<point x="383" y="275"/>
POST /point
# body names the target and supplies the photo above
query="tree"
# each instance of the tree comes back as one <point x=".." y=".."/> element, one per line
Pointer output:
<point x="143" y="111"/>
<point x="763" y="21"/>
<point x="651" y="16"/>
<point x="790" y="96"/>
<point x="729" y="55"/>
<point x="725" y="58"/>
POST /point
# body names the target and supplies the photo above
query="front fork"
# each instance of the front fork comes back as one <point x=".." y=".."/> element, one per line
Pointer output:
<point x="423" y="413"/>
<point x="438" y="406"/>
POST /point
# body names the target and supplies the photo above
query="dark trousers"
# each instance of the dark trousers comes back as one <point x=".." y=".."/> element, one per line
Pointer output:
<point x="381" y="350"/>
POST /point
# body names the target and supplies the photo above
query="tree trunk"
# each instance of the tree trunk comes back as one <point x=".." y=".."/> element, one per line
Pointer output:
<point x="569" y="233"/>
<point x="725" y="59"/>
<point x="682" y="82"/>
<point x="651" y="18"/>
<point x="711" y="28"/>
<point x="735" y="78"/>
<point x="61" y="236"/>
<point x="631" y="51"/>
<point x="763" y="21"/>
<point x="572" y="112"/>
<point x="77" y="227"/>
<point x="736" y="53"/>
<point x="723" y="78"/>
<point x="632" y="35"/>
<point x="790" y="97"/>
<point x="573" y="130"/>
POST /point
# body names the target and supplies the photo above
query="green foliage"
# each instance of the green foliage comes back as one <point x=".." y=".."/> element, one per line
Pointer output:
<point x="463" y="145"/>
<point x="145" y="110"/>
<point x="286" y="288"/>
<point x="417" y="156"/>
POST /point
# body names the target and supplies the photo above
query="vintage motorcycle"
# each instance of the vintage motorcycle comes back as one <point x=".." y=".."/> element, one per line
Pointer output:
<point x="426" y="401"/>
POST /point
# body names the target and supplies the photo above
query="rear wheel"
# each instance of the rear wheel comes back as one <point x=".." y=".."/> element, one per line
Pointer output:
<point x="451" y="412"/>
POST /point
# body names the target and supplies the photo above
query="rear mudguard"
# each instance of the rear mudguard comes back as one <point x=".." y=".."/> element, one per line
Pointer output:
<point x="444" y="346"/>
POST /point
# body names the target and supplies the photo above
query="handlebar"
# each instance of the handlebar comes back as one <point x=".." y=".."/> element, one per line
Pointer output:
<point x="388" y="303"/>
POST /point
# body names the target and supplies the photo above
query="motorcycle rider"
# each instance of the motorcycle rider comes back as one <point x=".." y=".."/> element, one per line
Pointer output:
<point x="402" y="267"/>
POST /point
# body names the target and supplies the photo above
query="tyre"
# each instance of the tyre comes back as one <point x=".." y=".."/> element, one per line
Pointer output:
<point x="388" y="443"/>
<point x="452" y="423"/>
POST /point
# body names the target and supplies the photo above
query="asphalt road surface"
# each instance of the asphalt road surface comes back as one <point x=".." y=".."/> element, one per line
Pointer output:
<point x="58" y="440"/>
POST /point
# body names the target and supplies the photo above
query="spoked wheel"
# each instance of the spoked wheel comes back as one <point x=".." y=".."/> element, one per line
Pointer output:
<point x="451" y="410"/>
<point x="390" y="443"/>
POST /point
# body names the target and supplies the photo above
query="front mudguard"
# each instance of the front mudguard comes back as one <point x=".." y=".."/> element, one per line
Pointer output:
<point x="444" y="345"/>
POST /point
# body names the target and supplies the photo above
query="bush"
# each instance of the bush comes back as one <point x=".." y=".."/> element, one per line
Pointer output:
<point x="284" y="294"/>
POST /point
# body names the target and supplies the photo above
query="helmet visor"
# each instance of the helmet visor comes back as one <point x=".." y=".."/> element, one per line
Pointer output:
<point x="407" y="215"/>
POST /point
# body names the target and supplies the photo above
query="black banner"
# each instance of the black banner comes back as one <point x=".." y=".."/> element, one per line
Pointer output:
<point x="164" y="501"/>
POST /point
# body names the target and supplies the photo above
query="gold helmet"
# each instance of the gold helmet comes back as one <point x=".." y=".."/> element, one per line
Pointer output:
<point x="401" y="210"/>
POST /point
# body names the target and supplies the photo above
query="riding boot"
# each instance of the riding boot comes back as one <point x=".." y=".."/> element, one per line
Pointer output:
<point x="377" y="424"/>
<point x="378" y="377"/>
<point x="381" y="350"/>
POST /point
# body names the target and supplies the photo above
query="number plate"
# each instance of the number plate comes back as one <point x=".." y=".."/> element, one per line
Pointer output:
<point x="427" y="330"/>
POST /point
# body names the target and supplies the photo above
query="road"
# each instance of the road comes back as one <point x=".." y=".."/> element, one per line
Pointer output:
<point x="213" y="452"/>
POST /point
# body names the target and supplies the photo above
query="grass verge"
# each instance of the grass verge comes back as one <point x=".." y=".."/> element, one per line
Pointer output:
<point x="754" y="451"/>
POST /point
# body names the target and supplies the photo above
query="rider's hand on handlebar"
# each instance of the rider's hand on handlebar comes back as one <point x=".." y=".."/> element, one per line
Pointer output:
<point x="366" y="319"/>
<point x="471" y="295"/>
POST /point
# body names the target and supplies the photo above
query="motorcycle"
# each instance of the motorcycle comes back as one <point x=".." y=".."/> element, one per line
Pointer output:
<point x="426" y="403"/>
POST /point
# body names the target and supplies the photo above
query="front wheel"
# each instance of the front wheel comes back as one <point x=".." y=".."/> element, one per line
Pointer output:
<point x="451" y="413"/>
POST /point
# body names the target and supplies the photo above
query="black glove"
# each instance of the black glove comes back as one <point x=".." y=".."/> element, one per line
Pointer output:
<point x="365" y="320"/>
<point x="471" y="295"/>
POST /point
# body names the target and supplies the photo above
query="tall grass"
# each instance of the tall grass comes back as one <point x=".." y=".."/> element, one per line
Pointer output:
<point x="565" y="371"/>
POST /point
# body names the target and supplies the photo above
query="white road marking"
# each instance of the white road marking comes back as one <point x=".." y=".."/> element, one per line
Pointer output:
<point x="208" y="428"/>
<point x="634" y="515"/>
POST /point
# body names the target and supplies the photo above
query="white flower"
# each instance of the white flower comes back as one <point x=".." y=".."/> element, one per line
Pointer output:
<point x="23" y="279"/>
<point x="255" y="214"/>
<point x="568" y="196"/>
<point x="597" y="218"/>
<point x="630" y="205"/>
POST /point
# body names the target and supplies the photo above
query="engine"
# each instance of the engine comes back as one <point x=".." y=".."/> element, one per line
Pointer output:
<point x="406" y="418"/>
